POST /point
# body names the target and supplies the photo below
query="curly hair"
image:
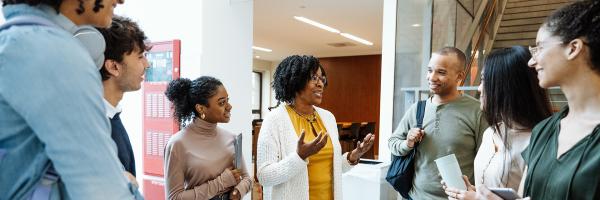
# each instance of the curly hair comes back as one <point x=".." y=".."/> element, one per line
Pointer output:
<point x="55" y="4"/>
<point x="292" y="74"/>
<point x="579" y="19"/>
<point x="512" y="94"/>
<point x="122" y="38"/>
<point x="185" y="94"/>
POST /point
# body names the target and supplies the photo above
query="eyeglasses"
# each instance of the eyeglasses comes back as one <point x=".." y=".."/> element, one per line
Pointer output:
<point x="315" y="79"/>
<point x="534" y="50"/>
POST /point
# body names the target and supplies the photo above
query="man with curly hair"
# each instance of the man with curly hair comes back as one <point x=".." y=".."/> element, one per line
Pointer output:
<point x="123" y="71"/>
<point x="54" y="142"/>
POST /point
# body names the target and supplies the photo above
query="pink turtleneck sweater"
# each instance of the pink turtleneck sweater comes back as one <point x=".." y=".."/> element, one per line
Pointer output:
<point x="197" y="162"/>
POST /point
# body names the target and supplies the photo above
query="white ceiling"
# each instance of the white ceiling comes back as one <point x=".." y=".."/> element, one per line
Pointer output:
<point x="276" y="29"/>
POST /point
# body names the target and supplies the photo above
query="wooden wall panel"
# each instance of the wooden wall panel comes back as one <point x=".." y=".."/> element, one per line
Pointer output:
<point x="354" y="89"/>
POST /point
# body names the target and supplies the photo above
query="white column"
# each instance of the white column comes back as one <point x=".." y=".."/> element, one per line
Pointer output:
<point x="388" y="52"/>
<point x="227" y="55"/>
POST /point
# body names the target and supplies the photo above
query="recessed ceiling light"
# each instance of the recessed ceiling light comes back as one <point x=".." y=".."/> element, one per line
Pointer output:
<point x="352" y="37"/>
<point x="261" y="49"/>
<point x="317" y="24"/>
<point x="416" y="25"/>
<point x="257" y="56"/>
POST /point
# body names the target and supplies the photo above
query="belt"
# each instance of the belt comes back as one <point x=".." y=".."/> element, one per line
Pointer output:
<point x="224" y="196"/>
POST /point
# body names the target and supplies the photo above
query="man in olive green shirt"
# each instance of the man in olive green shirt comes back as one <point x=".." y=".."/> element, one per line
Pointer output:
<point x="453" y="124"/>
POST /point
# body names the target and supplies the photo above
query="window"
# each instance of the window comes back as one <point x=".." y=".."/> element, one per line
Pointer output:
<point x="256" y="95"/>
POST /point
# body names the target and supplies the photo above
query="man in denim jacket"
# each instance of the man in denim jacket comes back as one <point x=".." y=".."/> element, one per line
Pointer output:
<point x="51" y="109"/>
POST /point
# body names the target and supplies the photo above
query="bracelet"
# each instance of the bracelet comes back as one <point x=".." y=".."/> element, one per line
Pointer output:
<point x="352" y="163"/>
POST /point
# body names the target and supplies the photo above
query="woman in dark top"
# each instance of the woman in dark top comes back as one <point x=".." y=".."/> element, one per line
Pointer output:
<point x="563" y="157"/>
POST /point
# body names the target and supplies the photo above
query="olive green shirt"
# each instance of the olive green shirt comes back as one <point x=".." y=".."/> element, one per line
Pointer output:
<point x="575" y="175"/>
<point x="453" y="128"/>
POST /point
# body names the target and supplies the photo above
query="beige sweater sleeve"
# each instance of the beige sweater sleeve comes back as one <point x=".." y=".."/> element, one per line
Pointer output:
<point x="174" y="173"/>
<point x="245" y="184"/>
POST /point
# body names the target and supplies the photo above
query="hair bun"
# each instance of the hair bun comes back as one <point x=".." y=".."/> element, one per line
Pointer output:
<point x="178" y="90"/>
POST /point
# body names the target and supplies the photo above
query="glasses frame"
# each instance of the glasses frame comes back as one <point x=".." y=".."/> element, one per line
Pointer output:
<point x="315" y="79"/>
<point x="535" y="49"/>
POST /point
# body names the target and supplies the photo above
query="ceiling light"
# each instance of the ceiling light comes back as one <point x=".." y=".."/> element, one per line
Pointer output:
<point x="261" y="49"/>
<point x="257" y="56"/>
<point x="416" y="25"/>
<point x="317" y="24"/>
<point x="352" y="37"/>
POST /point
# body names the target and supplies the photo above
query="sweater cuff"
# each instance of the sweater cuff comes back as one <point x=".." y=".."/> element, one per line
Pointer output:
<point x="243" y="188"/>
<point x="404" y="148"/>
<point x="296" y="158"/>
<point x="228" y="179"/>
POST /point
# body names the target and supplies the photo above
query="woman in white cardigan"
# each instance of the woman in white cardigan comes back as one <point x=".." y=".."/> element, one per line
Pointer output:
<point x="298" y="154"/>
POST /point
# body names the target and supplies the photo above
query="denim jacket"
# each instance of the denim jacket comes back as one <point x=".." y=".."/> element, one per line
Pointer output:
<point x="51" y="113"/>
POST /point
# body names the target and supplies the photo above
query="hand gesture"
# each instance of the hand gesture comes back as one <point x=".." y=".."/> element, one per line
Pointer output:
<point x="305" y="150"/>
<point x="361" y="148"/>
<point x="414" y="135"/>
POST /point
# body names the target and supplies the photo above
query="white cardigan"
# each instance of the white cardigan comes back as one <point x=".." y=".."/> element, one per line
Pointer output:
<point x="283" y="174"/>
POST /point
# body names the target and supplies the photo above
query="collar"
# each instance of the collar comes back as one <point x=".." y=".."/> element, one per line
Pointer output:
<point x="111" y="111"/>
<point x="40" y="10"/>
<point x="202" y="127"/>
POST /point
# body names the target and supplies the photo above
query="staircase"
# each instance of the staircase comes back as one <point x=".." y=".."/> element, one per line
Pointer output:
<point x="522" y="19"/>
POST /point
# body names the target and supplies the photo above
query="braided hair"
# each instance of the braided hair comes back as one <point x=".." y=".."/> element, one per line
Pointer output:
<point x="292" y="74"/>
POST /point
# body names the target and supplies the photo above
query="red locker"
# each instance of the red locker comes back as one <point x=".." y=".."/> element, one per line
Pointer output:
<point x="154" y="189"/>
<point x="158" y="124"/>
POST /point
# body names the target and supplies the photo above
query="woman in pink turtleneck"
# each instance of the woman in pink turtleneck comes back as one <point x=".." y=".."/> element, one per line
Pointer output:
<point x="199" y="158"/>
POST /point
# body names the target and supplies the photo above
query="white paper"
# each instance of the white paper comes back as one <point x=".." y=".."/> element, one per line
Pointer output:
<point x="450" y="171"/>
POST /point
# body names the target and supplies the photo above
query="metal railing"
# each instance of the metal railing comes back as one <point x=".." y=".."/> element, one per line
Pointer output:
<point x="492" y="9"/>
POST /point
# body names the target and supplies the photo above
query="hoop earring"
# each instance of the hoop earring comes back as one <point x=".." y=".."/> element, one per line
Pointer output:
<point x="202" y="116"/>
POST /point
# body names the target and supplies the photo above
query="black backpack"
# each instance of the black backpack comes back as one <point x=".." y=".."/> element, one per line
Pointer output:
<point x="402" y="170"/>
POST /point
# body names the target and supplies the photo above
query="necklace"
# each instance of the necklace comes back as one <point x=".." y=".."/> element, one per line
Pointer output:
<point x="310" y="118"/>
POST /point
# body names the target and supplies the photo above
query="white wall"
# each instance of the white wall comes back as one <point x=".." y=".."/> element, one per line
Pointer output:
<point x="161" y="22"/>
<point x="388" y="51"/>
<point x="1" y="14"/>
<point x="216" y="40"/>
<point x="227" y="54"/>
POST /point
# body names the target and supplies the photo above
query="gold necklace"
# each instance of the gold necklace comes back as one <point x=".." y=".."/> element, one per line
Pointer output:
<point x="311" y="118"/>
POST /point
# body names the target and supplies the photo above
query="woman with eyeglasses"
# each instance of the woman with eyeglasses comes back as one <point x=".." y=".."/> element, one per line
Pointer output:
<point x="563" y="157"/>
<point x="513" y="103"/>
<point x="298" y="154"/>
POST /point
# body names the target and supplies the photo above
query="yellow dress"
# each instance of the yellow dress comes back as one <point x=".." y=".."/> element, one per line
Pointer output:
<point x="320" y="165"/>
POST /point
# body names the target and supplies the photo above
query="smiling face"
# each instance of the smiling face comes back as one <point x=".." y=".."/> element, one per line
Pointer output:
<point x="218" y="109"/>
<point x="312" y="94"/>
<point x="133" y="69"/>
<point x="443" y="74"/>
<point x="549" y="59"/>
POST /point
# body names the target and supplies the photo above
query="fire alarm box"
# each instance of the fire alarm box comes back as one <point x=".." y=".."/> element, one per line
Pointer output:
<point x="159" y="123"/>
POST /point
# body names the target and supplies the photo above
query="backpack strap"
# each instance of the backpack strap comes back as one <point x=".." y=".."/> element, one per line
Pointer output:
<point x="27" y="20"/>
<point x="420" y="113"/>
